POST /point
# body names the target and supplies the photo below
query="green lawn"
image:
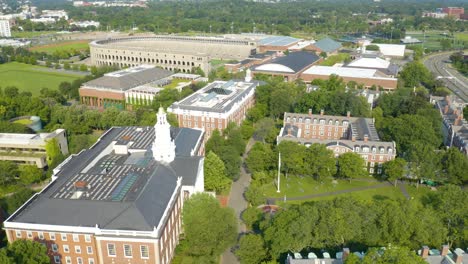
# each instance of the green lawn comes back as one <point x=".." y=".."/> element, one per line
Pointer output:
<point x="78" y="45"/>
<point x="333" y="59"/>
<point x="175" y="82"/>
<point x="294" y="186"/>
<point x="23" y="121"/>
<point x="30" y="34"/>
<point x="432" y="38"/>
<point x="461" y="36"/>
<point x="32" y="78"/>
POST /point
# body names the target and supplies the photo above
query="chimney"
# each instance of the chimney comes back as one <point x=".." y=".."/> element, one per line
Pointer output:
<point x="348" y="114"/>
<point x="366" y="137"/>
<point x="446" y="108"/>
<point x="289" y="131"/>
<point x="345" y="254"/>
<point x="457" y="121"/>
<point x="310" y="111"/>
<point x="447" y="99"/>
<point x="353" y="138"/>
<point x="425" y="252"/>
<point x="458" y="256"/>
<point x="322" y="112"/>
<point x="444" y="251"/>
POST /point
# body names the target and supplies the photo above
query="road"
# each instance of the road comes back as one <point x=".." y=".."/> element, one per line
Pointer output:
<point x="454" y="80"/>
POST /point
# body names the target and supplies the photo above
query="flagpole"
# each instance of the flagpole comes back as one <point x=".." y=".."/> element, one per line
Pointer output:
<point x="279" y="171"/>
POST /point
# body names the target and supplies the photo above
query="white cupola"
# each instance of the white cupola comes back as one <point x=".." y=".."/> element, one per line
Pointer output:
<point x="163" y="146"/>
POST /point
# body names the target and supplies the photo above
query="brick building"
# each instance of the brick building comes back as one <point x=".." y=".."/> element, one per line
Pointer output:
<point x="119" y="201"/>
<point x="456" y="12"/>
<point x="216" y="105"/>
<point x="341" y="134"/>
<point x="276" y="43"/>
<point x="454" y="126"/>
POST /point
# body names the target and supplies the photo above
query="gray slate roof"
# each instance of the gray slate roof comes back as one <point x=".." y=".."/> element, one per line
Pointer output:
<point x="327" y="45"/>
<point x="141" y="208"/>
<point x="127" y="81"/>
<point x="296" y="61"/>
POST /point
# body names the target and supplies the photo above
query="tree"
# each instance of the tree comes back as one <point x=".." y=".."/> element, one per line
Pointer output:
<point x="251" y="216"/>
<point x="215" y="177"/>
<point x="209" y="229"/>
<point x="373" y="47"/>
<point x="4" y="258"/>
<point x="8" y="172"/>
<point x="28" y="252"/>
<point x="48" y="64"/>
<point x="415" y="73"/>
<point x="254" y="195"/>
<point x="319" y="161"/>
<point x="265" y="130"/>
<point x="400" y="255"/>
<point x="352" y="259"/>
<point x="17" y="199"/>
<point x="351" y="166"/>
<point x="292" y="156"/>
<point x="54" y="153"/>
<point x="30" y="174"/>
<point x="83" y="67"/>
<point x="251" y="249"/>
<point x="394" y="169"/>
<point x="260" y="158"/>
<point x="66" y="66"/>
<point x="455" y="166"/>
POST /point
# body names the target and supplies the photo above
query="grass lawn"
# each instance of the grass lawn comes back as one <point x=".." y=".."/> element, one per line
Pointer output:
<point x="432" y="38"/>
<point x="294" y="186"/>
<point x="461" y="36"/>
<point x="31" y="78"/>
<point x="23" y="121"/>
<point x="333" y="59"/>
<point x="175" y="82"/>
<point x="30" y="34"/>
<point x="78" y="45"/>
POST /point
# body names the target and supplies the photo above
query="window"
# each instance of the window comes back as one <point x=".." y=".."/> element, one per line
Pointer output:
<point x="128" y="251"/>
<point x="90" y="261"/>
<point x="111" y="250"/>
<point x="52" y="236"/>
<point x="41" y="235"/>
<point x="18" y="234"/>
<point x="79" y="260"/>
<point x="57" y="259"/>
<point x="87" y="238"/>
<point x="54" y="247"/>
<point x="380" y="158"/>
<point x="89" y="249"/>
<point x="76" y="238"/>
<point x="64" y="237"/>
<point x="29" y="233"/>
<point x="68" y="260"/>
<point x="144" y="252"/>
<point x="66" y="249"/>
<point x="78" y="249"/>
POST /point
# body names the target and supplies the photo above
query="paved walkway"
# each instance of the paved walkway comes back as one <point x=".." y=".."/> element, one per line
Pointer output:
<point x="402" y="187"/>
<point x="238" y="203"/>
<point x="307" y="197"/>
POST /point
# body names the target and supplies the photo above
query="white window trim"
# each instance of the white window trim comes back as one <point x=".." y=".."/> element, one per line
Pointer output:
<point x="52" y="236"/>
<point x="29" y="234"/>
<point x="125" y="252"/>
<point x="78" y="249"/>
<point x="66" y="249"/>
<point x="87" y="238"/>
<point x="108" y="251"/>
<point x="76" y="238"/>
<point x="141" y="251"/>
<point x="91" y="261"/>
<point x="78" y="260"/>
<point x="54" y="247"/>
<point x="63" y="236"/>
<point x="57" y="259"/>
<point x="68" y="259"/>
<point x="87" y="249"/>
<point x="18" y="234"/>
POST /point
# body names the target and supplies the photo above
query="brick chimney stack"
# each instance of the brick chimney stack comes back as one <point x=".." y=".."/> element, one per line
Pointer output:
<point x="353" y="138"/>
<point x="322" y="112"/>
<point x="458" y="120"/>
<point x="366" y="137"/>
<point x="348" y="114"/>
<point x="346" y="253"/>
<point x="444" y="250"/>
<point x="310" y="111"/>
<point x="289" y="131"/>
<point x="446" y="108"/>
<point x="458" y="256"/>
<point x="425" y="252"/>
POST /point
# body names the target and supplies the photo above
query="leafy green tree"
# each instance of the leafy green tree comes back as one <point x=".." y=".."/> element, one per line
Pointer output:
<point x="54" y="153"/>
<point x="48" y="64"/>
<point x="4" y="258"/>
<point x="400" y="255"/>
<point x="260" y="158"/>
<point x="251" y="216"/>
<point x="251" y="249"/>
<point x="30" y="174"/>
<point x="17" y="199"/>
<point x="83" y="68"/>
<point x="292" y="156"/>
<point x="28" y="252"/>
<point x="455" y="166"/>
<point x="8" y="172"/>
<point x="66" y="66"/>
<point x="352" y="259"/>
<point x="265" y="130"/>
<point x="320" y="161"/>
<point x="254" y="195"/>
<point x="394" y="169"/>
<point x="351" y="166"/>
<point x="215" y="177"/>
<point x="209" y="229"/>
<point x="415" y="73"/>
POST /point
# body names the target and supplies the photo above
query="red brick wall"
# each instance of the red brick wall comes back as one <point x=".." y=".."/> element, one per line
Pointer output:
<point x="386" y="84"/>
<point x="98" y="96"/>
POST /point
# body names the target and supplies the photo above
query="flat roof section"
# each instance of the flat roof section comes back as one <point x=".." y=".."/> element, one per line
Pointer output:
<point x="341" y="71"/>
<point x="278" y="41"/>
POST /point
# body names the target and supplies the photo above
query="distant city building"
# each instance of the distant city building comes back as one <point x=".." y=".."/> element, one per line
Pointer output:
<point x="136" y="86"/>
<point x="410" y="40"/>
<point x="362" y="76"/>
<point x="182" y="53"/>
<point x="327" y="45"/>
<point x="443" y="256"/>
<point x="434" y="14"/>
<point x="394" y="51"/>
<point x="30" y="149"/>
<point x="340" y="134"/>
<point x="5" y="30"/>
<point x="85" y="24"/>
<point x="55" y="14"/>
<point x="373" y="62"/>
<point x="45" y="20"/>
<point x="216" y="105"/>
<point x="14" y="43"/>
<point x="119" y="201"/>
<point x="455" y="127"/>
<point x="454" y="11"/>
<point x="290" y="66"/>
<point x="252" y="61"/>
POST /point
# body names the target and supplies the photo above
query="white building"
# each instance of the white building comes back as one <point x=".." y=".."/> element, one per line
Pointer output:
<point x="5" y="30"/>
<point x="85" y="24"/>
<point x="55" y="14"/>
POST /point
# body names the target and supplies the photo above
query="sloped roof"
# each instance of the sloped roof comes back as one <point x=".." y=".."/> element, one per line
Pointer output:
<point x="327" y="45"/>
<point x="129" y="78"/>
<point x="292" y="63"/>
